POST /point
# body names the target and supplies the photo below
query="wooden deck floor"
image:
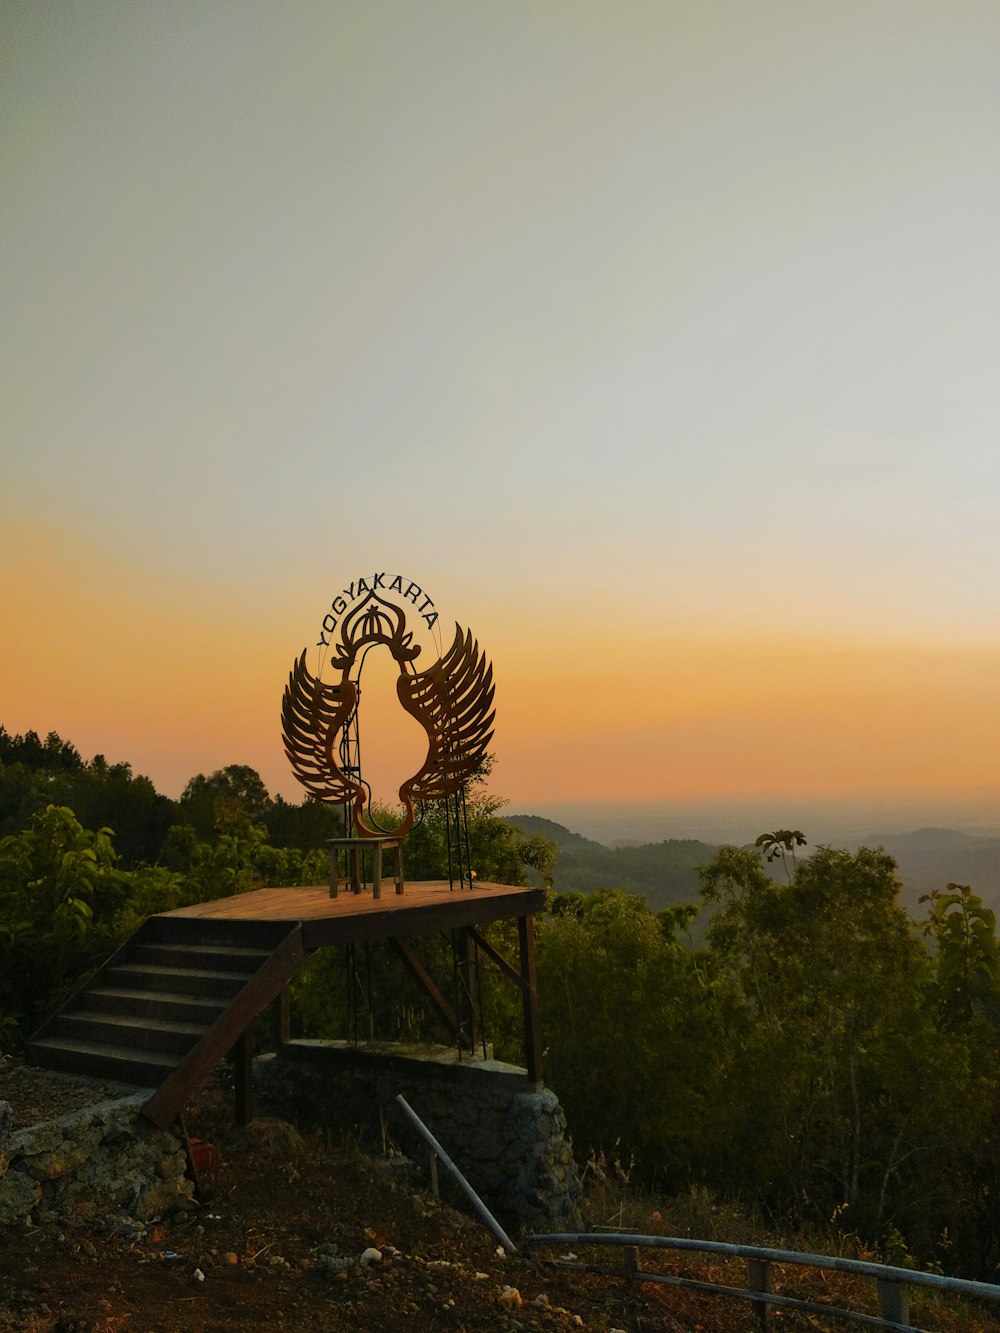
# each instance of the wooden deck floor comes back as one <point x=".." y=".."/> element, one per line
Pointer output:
<point x="424" y="908"/>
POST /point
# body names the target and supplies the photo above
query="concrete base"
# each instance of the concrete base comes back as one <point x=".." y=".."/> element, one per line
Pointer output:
<point x="506" y="1136"/>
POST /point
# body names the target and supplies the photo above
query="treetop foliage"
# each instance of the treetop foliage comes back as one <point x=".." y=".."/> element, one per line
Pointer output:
<point x="814" y="1058"/>
<point x="35" y="774"/>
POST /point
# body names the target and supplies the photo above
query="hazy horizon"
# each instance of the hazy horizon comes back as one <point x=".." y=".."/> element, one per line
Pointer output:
<point x="739" y="821"/>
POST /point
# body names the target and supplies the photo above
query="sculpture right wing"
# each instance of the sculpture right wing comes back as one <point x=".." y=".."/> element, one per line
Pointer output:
<point x="453" y="702"/>
<point x="312" y="717"/>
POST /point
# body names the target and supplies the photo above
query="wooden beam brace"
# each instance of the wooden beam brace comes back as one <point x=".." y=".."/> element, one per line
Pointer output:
<point x="421" y="975"/>
<point x="510" y="972"/>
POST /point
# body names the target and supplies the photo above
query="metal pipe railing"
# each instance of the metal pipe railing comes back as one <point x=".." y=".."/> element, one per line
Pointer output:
<point x="479" y="1208"/>
<point x="892" y="1283"/>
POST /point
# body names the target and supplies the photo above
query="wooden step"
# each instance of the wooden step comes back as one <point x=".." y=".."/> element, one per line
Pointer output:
<point x="166" y="1007"/>
<point x="153" y="1004"/>
<point x="128" y="1064"/>
<point x="205" y="982"/>
<point x="218" y="957"/>
<point x="265" y="935"/>
<point x="119" y="1030"/>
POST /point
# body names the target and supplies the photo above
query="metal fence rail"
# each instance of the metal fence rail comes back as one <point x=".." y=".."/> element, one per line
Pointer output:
<point x="892" y="1284"/>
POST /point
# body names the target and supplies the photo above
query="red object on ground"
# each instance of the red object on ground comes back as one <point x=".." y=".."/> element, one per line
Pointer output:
<point x="206" y="1160"/>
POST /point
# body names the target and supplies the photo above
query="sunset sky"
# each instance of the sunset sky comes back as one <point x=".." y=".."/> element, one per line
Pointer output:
<point x="658" y="342"/>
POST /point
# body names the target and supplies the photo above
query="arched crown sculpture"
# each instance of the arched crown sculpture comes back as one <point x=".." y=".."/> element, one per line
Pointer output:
<point x="452" y="700"/>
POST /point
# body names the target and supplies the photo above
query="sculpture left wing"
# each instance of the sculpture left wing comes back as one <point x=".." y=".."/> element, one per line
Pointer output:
<point x="312" y="717"/>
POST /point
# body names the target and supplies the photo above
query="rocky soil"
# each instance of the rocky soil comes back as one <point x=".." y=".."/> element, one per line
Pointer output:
<point x="301" y="1234"/>
<point x="296" y="1234"/>
<point x="40" y="1094"/>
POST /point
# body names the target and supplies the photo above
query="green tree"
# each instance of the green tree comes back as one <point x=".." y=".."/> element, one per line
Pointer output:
<point x="238" y="860"/>
<point x="211" y="804"/>
<point x="967" y="970"/>
<point x="629" y="1028"/>
<point x="966" y="997"/>
<point x="58" y="886"/>
<point x="782" y="843"/>
<point x="110" y="795"/>
<point x="34" y="775"/>
<point x="309" y="826"/>
<point x="53" y="756"/>
<point x="846" y="1082"/>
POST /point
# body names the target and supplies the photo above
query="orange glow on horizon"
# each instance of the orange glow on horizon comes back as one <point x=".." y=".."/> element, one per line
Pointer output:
<point x="178" y="680"/>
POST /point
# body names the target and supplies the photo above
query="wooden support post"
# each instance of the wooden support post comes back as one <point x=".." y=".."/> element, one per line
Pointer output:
<point x="284" y="1016"/>
<point x="759" y="1279"/>
<point x="468" y="989"/>
<point x="893" y="1300"/>
<point x="243" y="1075"/>
<point x="529" y="979"/>
<point x="192" y="1165"/>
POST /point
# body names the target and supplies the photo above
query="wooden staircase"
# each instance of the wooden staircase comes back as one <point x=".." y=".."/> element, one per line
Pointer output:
<point x="165" y="1009"/>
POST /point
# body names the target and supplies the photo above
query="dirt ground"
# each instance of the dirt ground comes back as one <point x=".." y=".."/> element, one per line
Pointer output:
<point x="280" y="1243"/>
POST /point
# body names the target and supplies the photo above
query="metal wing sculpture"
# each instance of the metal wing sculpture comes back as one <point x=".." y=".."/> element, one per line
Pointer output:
<point x="452" y="700"/>
<point x="312" y="718"/>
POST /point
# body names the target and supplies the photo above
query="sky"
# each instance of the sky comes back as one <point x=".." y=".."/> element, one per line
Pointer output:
<point x="658" y="342"/>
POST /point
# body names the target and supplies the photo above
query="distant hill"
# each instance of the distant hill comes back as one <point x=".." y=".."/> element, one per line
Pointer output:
<point x="931" y="858"/>
<point x="665" y="872"/>
<point x="557" y="833"/>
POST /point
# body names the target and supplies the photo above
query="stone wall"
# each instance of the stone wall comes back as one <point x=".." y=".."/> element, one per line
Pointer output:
<point x="105" y="1159"/>
<point x="506" y="1136"/>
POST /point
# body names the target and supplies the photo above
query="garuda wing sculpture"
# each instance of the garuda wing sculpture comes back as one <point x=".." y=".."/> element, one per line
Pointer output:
<point x="452" y="700"/>
<point x="312" y="718"/>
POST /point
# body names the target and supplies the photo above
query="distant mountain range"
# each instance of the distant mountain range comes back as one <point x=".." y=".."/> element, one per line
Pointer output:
<point x="666" y="872"/>
<point x="931" y="858"/>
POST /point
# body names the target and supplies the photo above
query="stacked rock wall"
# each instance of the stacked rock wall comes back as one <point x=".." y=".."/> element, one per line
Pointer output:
<point x="105" y="1159"/>
<point x="505" y="1135"/>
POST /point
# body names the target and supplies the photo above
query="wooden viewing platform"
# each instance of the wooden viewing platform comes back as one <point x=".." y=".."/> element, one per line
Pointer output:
<point x="425" y="907"/>
<point x="184" y="990"/>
